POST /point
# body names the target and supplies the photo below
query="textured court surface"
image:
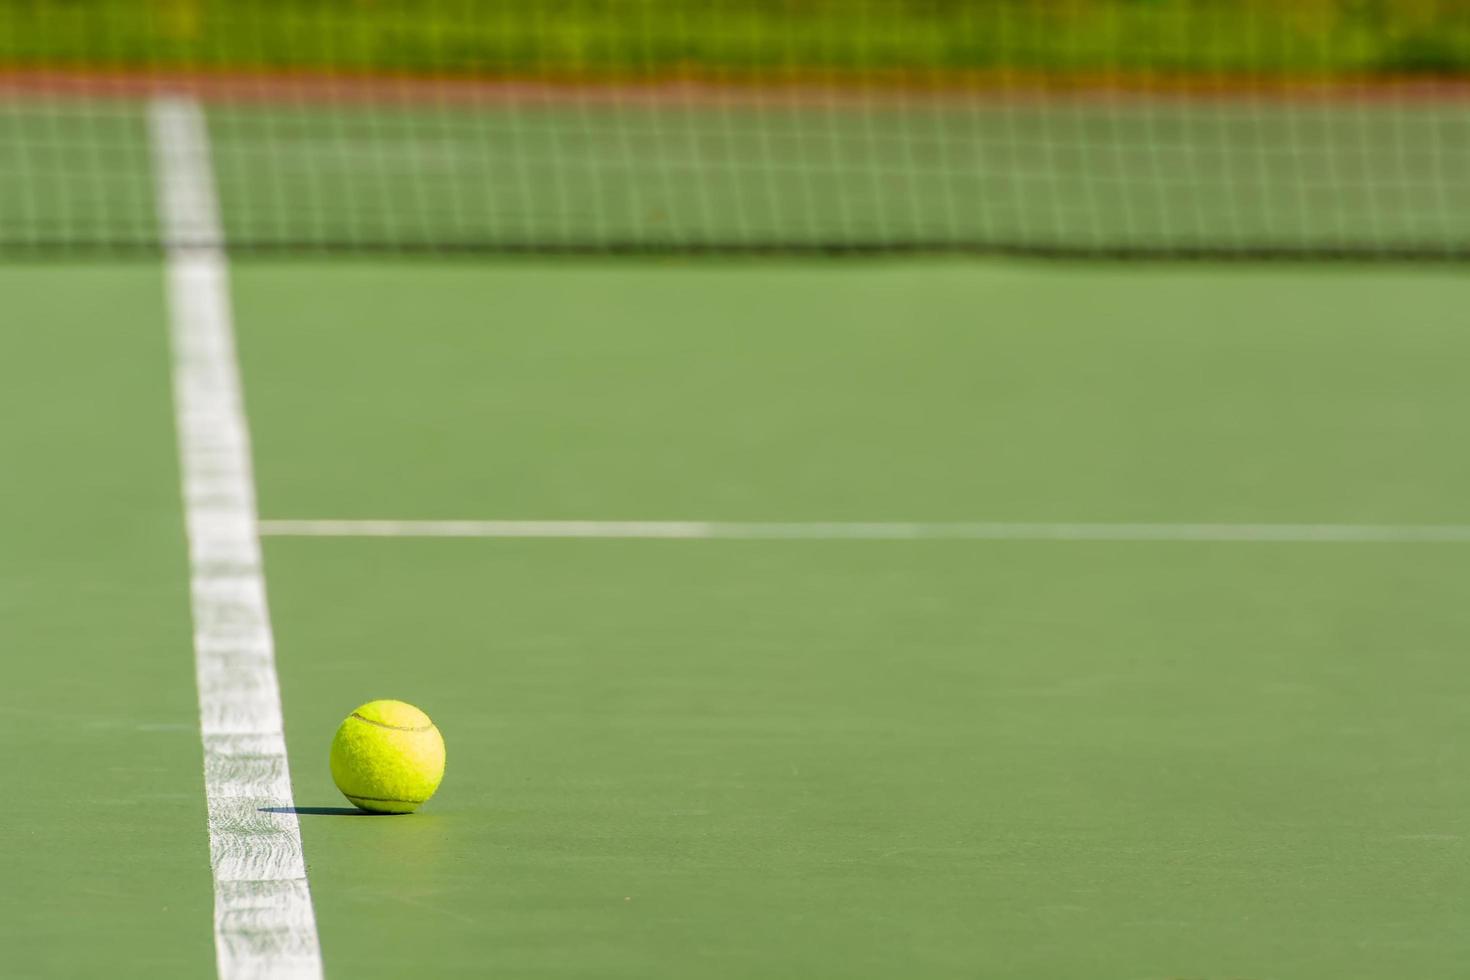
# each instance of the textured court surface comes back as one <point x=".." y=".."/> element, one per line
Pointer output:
<point x="736" y="758"/>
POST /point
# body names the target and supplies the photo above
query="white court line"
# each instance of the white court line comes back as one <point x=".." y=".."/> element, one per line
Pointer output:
<point x="876" y="531"/>
<point x="264" y="926"/>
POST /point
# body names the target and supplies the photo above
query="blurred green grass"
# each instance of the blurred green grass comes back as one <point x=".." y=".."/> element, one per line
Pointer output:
<point x="638" y="38"/>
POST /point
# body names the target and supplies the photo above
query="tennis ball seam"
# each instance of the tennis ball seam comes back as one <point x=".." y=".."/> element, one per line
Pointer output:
<point x="396" y="728"/>
<point x="381" y="799"/>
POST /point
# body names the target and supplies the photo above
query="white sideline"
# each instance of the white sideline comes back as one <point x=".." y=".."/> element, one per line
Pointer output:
<point x="264" y="925"/>
<point x="875" y="531"/>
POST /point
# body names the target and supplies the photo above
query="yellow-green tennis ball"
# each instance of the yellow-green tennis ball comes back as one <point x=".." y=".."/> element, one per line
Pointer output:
<point x="388" y="757"/>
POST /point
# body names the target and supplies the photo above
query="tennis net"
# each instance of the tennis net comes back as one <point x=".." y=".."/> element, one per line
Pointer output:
<point x="1109" y="127"/>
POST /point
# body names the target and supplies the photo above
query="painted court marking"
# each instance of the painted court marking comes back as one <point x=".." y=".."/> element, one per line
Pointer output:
<point x="264" y="925"/>
<point x="877" y="531"/>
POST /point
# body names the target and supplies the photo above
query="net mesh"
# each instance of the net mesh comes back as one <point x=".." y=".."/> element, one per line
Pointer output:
<point x="1128" y="127"/>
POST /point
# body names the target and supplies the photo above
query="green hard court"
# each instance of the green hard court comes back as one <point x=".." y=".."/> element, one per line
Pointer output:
<point x="734" y="758"/>
<point x="858" y="484"/>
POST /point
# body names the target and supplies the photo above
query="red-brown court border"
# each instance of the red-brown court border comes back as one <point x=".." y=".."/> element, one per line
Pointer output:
<point x="796" y="90"/>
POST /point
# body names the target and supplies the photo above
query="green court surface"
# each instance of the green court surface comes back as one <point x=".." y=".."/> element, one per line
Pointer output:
<point x="105" y="867"/>
<point x="1032" y="760"/>
<point x="922" y="391"/>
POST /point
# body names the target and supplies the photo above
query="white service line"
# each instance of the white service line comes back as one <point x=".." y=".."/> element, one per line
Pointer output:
<point x="264" y="926"/>
<point x="875" y="531"/>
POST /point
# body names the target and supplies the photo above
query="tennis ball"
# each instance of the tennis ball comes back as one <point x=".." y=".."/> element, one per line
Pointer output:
<point x="387" y="757"/>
